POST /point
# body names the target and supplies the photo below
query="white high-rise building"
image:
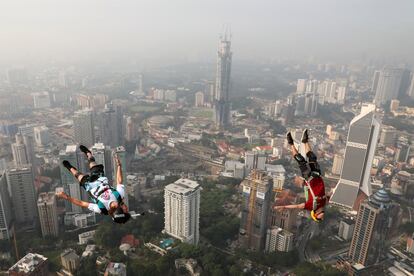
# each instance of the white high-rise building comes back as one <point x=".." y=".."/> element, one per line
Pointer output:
<point x="411" y="88"/>
<point x="341" y="92"/>
<point x="83" y="127"/>
<point x="375" y="80"/>
<point x="5" y="209"/>
<point x="140" y="84"/>
<point x="199" y="99"/>
<point x="301" y="85"/>
<point x="354" y="184"/>
<point x="21" y="187"/>
<point x="182" y="210"/>
<point x="19" y="152"/>
<point x="111" y="125"/>
<point x="389" y="84"/>
<point x="278" y="239"/>
<point x="41" y="135"/>
<point x="130" y="129"/>
<point x="346" y="228"/>
<point x="46" y="205"/>
<point x="388" y="136"/>
<point x="41" y="100"/>
<point x="338" y="162"/>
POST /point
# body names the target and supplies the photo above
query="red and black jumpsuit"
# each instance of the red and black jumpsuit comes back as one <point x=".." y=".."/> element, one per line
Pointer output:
<point x="311" y="171"/>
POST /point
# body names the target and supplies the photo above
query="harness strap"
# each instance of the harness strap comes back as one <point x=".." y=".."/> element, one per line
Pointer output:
<point x="314" y="198"/>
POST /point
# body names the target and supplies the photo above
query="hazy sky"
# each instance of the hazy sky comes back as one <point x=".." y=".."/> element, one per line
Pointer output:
<point x="189" y="29"/>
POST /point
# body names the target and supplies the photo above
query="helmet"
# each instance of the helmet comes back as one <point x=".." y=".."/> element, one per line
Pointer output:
<point x="119" y="216"/>
<point x="314" y="216"/>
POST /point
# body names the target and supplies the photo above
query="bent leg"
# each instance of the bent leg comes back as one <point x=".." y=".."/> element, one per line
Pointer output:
<point x="303" y="165"/>
<point x="91" y="160"/>
<point x="313" y="163"/>
<point x="79" y="176"/>
<point x="294" y="150"/>
<point x="307" y="148"/>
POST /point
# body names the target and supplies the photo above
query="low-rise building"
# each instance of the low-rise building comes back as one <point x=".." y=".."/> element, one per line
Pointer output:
<point x="89" y="250"/>
<point x="278" y="239"/>
<point x="30" y="265"/>
<point x="190" y="265"/>
<point x="86" y="236"/>
<point x="115" y="269"/>
<point x="346" y="229"/>
<point x="70" y="260"/>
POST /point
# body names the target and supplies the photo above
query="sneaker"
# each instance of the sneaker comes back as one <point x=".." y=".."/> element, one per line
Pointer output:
<point x="305" y="136"/>
<point x="84" y="149"/>
<point x="67" y="164"/>
<point x="289" y="138"/>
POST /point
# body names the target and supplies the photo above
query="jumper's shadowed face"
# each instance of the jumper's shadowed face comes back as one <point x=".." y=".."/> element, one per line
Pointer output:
<point x="114" y="205"/>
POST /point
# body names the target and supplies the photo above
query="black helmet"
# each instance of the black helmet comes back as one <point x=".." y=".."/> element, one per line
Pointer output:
<point x="119" y="216"/>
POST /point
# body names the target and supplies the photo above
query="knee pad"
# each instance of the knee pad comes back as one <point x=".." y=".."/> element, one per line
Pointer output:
<point x="91" y="159"/>
<point x="299" y="158"/>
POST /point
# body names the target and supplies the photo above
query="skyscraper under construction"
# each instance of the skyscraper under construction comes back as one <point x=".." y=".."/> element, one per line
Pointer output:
<point x="222" y="89"/>
<point x="257" y="196"/>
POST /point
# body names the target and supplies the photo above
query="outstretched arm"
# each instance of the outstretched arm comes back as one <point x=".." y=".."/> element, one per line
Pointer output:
<point x="119" y="179"/>
<point x="75" y="201"/>
<point x="293" y="206"/>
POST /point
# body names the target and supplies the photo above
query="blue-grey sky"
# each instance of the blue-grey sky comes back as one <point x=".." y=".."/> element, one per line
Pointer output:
<point x="179" y="30"/>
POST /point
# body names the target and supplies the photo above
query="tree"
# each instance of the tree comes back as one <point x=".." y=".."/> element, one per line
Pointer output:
<point x="407" y="228"/>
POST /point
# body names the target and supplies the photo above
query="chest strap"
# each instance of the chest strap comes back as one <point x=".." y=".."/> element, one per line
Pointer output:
<point x="101" y="206"/>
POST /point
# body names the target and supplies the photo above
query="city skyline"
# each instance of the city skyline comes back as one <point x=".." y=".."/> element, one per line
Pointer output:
<point x="211" y="138"/>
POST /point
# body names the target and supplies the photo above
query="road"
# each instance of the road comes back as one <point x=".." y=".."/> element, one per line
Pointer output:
<point x="409" y="212"/>
<point x="309" y="231"/>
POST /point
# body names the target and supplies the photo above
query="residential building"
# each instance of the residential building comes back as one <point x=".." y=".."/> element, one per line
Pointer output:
<point x="111" y="133"/>
<point x="338" y="162"/>
<point x="388" y="86"/>
<point x="85" y="237"/>
<point x="388" y="136"/>
<point x="182" y="210"/>
<point x="346" y="229"/>
<point x="46" y="205"/>
<point x="21" y="185"/>
<point x="70" y="260"/>
<point x="199" y="99"/>
<point x="116" y="269"/>
<point x="83" y="127"/>
<point x="30" y="265"/>
<point x="278" y="239"/>
<point x="41" y="136"/>
<point x="5" y="209"/>
<point x="41" y="100"/>
<point x="20" y="154"/>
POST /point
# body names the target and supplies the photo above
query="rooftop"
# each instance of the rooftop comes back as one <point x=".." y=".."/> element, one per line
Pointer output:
<point x="28" y="263"/>
<point x="183" y="186"/>
<point x="48" y="198"/>
<point x="116" y="269"/>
